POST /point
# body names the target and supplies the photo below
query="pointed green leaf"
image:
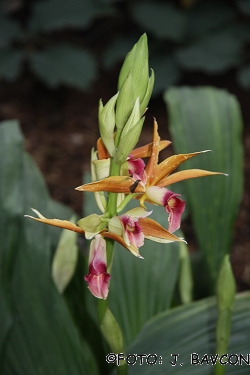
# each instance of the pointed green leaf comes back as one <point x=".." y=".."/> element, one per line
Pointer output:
<point x="201" y="119"/>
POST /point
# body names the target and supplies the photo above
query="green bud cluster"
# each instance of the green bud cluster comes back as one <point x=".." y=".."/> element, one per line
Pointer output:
<point x="124" y="110"/>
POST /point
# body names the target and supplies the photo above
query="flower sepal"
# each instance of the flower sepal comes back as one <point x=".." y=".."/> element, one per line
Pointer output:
<point x="92" y="225"/>
<point x="107" y="123"/>
<point x="65" y="224"/>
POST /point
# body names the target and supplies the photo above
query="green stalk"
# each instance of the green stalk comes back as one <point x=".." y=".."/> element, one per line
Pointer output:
<point x="108" y="324"/>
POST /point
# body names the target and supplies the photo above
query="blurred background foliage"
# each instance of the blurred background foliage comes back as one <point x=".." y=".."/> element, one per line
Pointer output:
<point x="86" y="36"/>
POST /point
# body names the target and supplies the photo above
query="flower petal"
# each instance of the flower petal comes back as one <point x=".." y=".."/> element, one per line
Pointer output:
<point x="138" y="212"/>
<point x="185" y="175"/>
<point x="56" y="222"/>
<point x="98" y="285"/>
<point x="136" y="169"/>
<point x="98" y="278"/>
<point x="116" y="184"/>
<point x="97" y="255"/>
<point x="175" y="207"/>
<point x="121" y="241"/>
<point x="146" y="150"/>
<point x="153" y="160"/>
<point x="102" y="151"/>
<point x="156" y="195"/>
<point x="132" y="233"/>
<point x="168" y="165"/>
<point x="155" y="232"/>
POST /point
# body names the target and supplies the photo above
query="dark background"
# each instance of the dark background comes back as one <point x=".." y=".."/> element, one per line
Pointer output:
<point x="60" y="123"/>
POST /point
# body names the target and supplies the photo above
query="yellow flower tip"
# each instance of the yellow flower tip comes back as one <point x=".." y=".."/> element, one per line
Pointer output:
<point x="182" y="240"/>
<point x="142" y="200"/>
<point x="135" y="252"/>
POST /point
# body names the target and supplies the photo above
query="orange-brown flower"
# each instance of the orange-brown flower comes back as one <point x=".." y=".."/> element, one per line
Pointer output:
<point x="150" y="229"/>
<point x="157" y="177"/>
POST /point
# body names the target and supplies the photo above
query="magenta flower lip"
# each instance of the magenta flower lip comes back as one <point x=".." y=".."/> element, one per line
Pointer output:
<point x="174" y="206"/>
<point x="98" y="278"/>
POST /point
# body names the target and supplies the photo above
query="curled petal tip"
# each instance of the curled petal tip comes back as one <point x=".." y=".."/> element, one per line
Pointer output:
<point x="139" y="256"/>
<point x="182" y="240"/>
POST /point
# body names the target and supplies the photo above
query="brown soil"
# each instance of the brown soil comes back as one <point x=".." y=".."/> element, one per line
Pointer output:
<point x="60" y="128"/>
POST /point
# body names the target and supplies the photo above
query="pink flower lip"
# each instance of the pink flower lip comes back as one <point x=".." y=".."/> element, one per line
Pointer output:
<point x="173" y="205"/>
<point x="132" y="231"/>
<point x="98" y="278"/>
<point x="136" y="168"/>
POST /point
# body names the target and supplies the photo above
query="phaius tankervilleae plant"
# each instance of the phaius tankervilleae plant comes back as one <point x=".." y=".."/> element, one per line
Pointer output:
<point x="120" y="174"/>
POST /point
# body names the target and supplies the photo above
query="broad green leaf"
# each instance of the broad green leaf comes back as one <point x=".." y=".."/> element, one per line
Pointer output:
<point x="213" y="53"/>
<point x="44" y="338"/>
<point x="10" y="63"/>
<point x="163" y="20"/>
<point x="201" y="119"/>
<point x="188" y="330"/>
<point x="10" y="221"/>
<point x="57" y="14"/>
<point x="64" y="64"/>
<point x="65" y="258"/>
